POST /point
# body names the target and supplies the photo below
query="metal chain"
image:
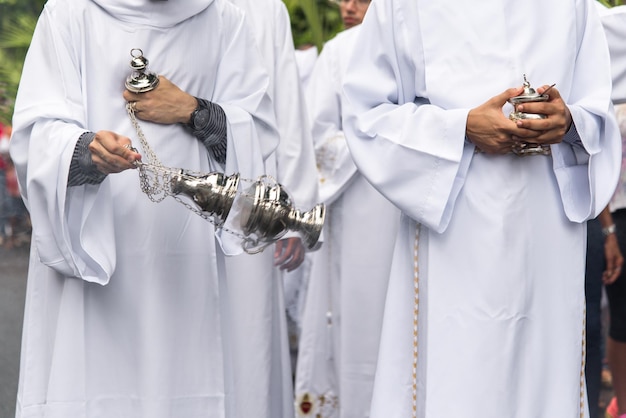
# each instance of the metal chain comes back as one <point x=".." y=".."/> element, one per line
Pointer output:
<point x="155" y="179"/>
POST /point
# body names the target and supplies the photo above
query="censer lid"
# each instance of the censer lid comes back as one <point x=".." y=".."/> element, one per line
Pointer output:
<point x="140" y="80"/>
<point x="529" y="95"/>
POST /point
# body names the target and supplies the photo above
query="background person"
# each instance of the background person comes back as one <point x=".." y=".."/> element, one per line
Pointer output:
<point x="345" y="299"/>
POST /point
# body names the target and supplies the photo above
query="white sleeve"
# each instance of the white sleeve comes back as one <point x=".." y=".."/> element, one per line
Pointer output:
<point x="48" y="120"/>
<point x="411" y="151"/>
<point x="335" y="167"/>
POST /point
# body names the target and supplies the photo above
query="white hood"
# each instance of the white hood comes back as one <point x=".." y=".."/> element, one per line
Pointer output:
<point x="158" y="13"/>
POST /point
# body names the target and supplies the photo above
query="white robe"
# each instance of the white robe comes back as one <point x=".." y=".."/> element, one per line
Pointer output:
<point x="614" y="23"/>
<point x="498" y="268"/>
<point x="126" y="314"/>
<point x="265" y="374"/>
<point x="305" y="59"/>
<point x="343" y="312"/>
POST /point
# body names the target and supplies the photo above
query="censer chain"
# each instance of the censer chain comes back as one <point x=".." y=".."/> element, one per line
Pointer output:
<point x="158" y="191"/>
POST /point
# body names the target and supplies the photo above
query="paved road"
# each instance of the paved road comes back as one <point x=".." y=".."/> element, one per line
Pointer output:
<point x="13" y="268"/>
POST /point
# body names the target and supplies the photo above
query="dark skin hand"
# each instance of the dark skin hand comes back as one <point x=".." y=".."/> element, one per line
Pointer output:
<point x="612" y="254"/>
<point x="614" y="260"/>
<point x="289" y="253"/>
<point x="109" y="154"/>
<point x="493" y="133"/>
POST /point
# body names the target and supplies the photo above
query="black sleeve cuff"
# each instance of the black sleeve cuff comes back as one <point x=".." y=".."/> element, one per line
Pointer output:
<point x="82" y="168"/>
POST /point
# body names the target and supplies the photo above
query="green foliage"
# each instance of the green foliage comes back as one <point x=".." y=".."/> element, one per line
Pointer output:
<point x="17" y="23"/>
<point x="313" y="21"/>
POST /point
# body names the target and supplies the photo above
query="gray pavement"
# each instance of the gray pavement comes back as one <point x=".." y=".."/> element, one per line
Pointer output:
<point x="13" y="268"/>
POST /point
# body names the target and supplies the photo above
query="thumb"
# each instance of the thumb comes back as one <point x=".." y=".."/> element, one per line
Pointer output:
<point x="501" y="99"/>
<point x="552" y="93"/>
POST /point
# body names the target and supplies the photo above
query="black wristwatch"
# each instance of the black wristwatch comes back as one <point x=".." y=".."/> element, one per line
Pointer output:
<point x="199" y="117"/>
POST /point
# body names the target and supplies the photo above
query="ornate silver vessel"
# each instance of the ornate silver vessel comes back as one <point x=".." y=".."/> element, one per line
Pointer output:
<point x="268" y="213"/>
<point x="140" y="79"/>
<point x="528" y="96"/>
<point x="214" y="193"/>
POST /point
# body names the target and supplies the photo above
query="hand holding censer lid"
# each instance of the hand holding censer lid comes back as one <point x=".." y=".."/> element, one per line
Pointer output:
<point x="528" y="96"/>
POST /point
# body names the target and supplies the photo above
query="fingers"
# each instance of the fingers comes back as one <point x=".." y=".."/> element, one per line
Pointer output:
<point x="167" y="104"/>
<point x="289" y="253"/>
<point x="611" y="275"/>
<point x="548" y="89"/>
<point x="111" y="153"/>
<point x="553" y="127"/>
<point x="614" y="261"/>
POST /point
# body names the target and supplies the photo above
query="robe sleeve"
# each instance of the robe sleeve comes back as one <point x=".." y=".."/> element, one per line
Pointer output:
<point x="414" y="152"/>
<point x="241" y="90"/>
<point x="587" y="181"/>
<point x="72" y="228"/>
<point x="411" y="151"/>
<point x="334" y="162"/>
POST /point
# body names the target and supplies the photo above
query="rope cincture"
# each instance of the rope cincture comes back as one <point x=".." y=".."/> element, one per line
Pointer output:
<point x="416" y="299"/>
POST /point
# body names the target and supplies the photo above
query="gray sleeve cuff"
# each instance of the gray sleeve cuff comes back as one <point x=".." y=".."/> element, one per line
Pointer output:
<point x="82" y="168"/>
<point x="215" y="133"/>
<point x="571" y="136"/>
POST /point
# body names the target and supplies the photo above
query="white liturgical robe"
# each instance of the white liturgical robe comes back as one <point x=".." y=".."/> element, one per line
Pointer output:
<point x="343" y="311"/>
<point x="127" y="312"/>
<point x="484" y="315"/>
<point x="258" y="306"/>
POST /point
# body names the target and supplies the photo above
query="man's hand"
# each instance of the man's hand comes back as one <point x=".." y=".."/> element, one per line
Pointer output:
<point x="110" y="152"/>
<point x="166" y="104"/>
<point x="614" y="260"/>
<point x="489" y="129"/>
<point x="289" y="253"/>
<point x="545" y="131"/>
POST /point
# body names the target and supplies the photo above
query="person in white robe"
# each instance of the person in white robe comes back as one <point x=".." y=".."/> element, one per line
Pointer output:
<point x="343" y="311"/>
<point x="127" y="311"/>
<point x="484" y="314"/>
<point x="615" y="30"/>
<point x="296" y="281"/>
<point x="258" y="306"/>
